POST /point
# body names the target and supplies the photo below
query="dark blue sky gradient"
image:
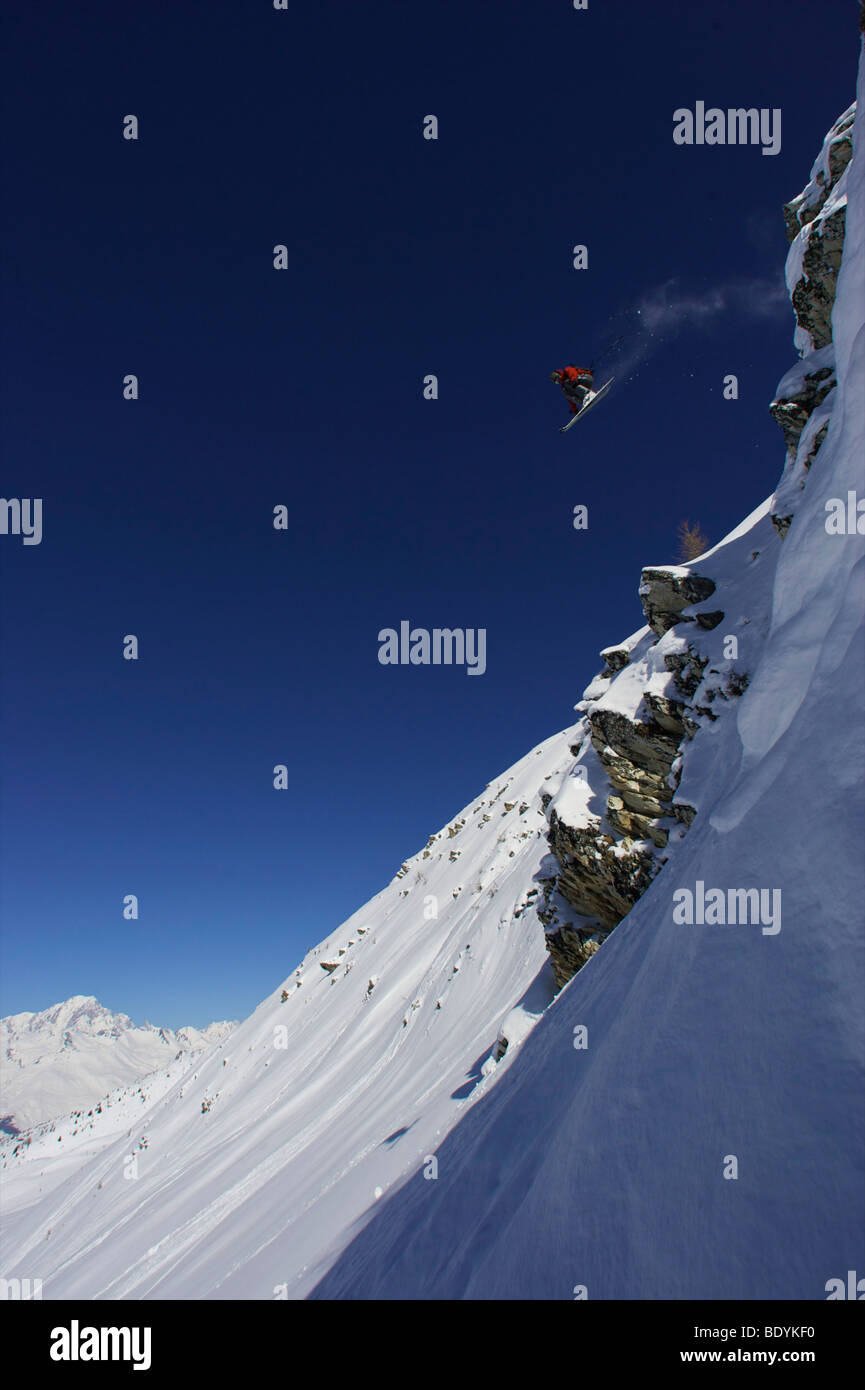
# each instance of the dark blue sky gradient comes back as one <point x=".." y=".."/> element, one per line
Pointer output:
<point x="304" y="387"/>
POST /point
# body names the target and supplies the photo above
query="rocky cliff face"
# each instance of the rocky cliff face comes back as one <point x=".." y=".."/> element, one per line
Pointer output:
<point x="619" y="813"/>
<point x="815" y="221"/>
<point x="618" y="810"/>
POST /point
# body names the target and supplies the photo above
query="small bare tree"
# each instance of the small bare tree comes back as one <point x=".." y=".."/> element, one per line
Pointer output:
<point x="692" y="541"/>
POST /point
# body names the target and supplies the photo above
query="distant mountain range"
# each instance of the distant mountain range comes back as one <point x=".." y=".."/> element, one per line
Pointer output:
<point x="71" y="1054"/>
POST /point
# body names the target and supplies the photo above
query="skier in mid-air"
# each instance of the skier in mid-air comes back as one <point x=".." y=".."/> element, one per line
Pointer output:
<point x="576" y="383"/>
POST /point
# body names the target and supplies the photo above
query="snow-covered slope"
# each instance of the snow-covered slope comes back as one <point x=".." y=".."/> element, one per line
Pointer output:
<point x="707" y="1140"/>
<point x="252" y="1167"/>
<point x="70" y="1055"/>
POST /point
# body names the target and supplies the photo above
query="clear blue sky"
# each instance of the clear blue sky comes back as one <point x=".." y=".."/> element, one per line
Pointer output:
<point x="303" y="387"/>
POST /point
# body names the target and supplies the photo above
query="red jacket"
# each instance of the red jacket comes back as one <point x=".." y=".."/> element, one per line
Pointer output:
<point x="574" y="379"/>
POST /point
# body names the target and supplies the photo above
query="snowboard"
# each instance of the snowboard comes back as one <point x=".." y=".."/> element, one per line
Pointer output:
<point x="588" y="405"/>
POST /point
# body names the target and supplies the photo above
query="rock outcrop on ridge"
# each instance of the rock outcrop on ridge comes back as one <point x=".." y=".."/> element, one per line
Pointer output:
<point x="613" y="817"/>
<point x="804" y="398"/>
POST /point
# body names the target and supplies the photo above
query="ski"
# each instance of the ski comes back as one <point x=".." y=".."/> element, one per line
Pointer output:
<point x="589" y="403"/>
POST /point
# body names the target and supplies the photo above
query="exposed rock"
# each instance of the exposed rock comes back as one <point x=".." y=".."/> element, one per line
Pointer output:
<point x="606" y="864"/>
<point x="570" y="943"/>
<point x="687" y="669"/>
<point x="814" y="295"/>
<point x="525" y="904"/>
<point x="792" y="413"/>
<point x="816" y="223"/>
<point x="668" y="713"/>
<point x="634" y="825"/>
<point x="647" y="745"/>
<point x="665" y="593"/>
<point x="801" y="211"/>
<point x="599" y="884"/>
<point x="815" y="445"/>
<point x="737" y="683"/>
<point x="644" y="792"/>
<point x="709" y="620"/>
<point x="638" y="757"/>
<point x="569" y="952"/>
<point x="614" y="659"/>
